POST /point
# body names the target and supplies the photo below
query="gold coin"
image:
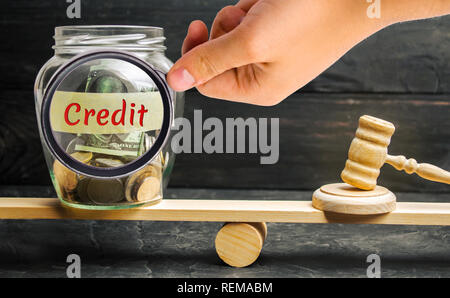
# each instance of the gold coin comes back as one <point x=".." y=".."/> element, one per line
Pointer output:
<point x="130" y="185"/>
<point x="154" y="170"/>
<point x="148" y="189"/>
<point x="143" y="190"/>
<point x="133" y="180"/>
<point x="84" y="157"/>
<point x="69" y="196"/>
<point x="66" y="179"/>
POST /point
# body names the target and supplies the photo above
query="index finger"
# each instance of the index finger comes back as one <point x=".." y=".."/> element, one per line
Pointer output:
<point x="196" y="35"/>
<point x="245" y="5"/>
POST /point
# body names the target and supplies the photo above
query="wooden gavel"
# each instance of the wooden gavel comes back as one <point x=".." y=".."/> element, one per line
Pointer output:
<point x="368" y="153"/>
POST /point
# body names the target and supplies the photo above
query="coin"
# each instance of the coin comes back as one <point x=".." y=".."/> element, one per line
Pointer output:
<point x="66" y="179"/>
<point x="148" y="189"/>
<point x="83" y="157"/>
<point x="82" y="190"/>
<point x="132" y="182"/>
<point x="145" y="188"/>
<point x="154" y="170"/>
<point x="164" y="158"/>
<point x="69" y="196"/>
<point x="71" y="146"/>
<point x="104" y="191"/>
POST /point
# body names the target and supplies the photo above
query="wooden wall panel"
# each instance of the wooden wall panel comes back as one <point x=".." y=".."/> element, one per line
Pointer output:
<point x="411" y="57"/>
<point x="401" y="74"/>
<point x="315" y="134"/>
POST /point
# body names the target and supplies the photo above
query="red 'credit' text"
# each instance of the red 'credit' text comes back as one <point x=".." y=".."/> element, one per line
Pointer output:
<point x="104" y="116"/>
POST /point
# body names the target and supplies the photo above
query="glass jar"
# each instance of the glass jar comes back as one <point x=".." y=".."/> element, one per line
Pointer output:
<point x="105" y="116"/>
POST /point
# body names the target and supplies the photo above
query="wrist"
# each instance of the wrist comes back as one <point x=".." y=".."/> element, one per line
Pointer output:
<point x="368" y="17"/>
<point x="377" y="14"/>
<point x="408" y="10"/>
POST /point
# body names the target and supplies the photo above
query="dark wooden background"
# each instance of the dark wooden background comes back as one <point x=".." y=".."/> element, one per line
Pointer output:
<point x="401" y="74"/>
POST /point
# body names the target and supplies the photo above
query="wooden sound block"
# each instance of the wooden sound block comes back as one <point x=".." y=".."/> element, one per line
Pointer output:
<point x="239" y="244"/>
<point x="346" y="199"/>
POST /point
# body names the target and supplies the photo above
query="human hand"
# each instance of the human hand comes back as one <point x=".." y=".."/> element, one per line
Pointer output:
<point x="261" y="51"/>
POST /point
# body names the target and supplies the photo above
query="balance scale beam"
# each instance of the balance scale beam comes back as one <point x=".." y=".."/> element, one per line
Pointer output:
<point x="226" y="211"/>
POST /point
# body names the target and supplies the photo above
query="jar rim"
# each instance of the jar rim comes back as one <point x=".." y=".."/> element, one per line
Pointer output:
<point x="58" y="29"/>
<point x="74" y="38"/>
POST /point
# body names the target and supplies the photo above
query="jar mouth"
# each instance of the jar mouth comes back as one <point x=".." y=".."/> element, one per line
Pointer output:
<point x="72" y="39"/>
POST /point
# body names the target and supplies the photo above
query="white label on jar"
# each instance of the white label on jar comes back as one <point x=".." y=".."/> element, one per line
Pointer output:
<point x="106" y="113"/>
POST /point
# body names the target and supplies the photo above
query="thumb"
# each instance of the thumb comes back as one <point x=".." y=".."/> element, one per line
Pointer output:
<point x="208" y="60"/>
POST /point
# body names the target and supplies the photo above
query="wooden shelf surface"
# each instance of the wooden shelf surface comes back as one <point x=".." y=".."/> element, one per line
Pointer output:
<point x="225" y="211"/>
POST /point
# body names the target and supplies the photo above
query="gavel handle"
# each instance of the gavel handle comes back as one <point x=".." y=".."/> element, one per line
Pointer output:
<point x="424" y="170"/>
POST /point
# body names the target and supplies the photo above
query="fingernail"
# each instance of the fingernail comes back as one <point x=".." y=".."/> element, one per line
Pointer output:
<point x="182" y="80"/>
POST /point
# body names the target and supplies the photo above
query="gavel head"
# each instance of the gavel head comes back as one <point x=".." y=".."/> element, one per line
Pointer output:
<point x="367" y="152"/>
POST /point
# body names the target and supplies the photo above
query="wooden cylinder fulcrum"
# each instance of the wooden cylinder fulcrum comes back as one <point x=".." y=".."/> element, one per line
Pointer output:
<point x="239" y="244"/>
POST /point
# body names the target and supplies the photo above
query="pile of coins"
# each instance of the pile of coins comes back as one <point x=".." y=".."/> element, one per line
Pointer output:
<point x="141" y="186"/>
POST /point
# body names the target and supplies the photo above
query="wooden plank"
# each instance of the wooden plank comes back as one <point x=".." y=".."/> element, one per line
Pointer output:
<point x="226" y="211"/>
